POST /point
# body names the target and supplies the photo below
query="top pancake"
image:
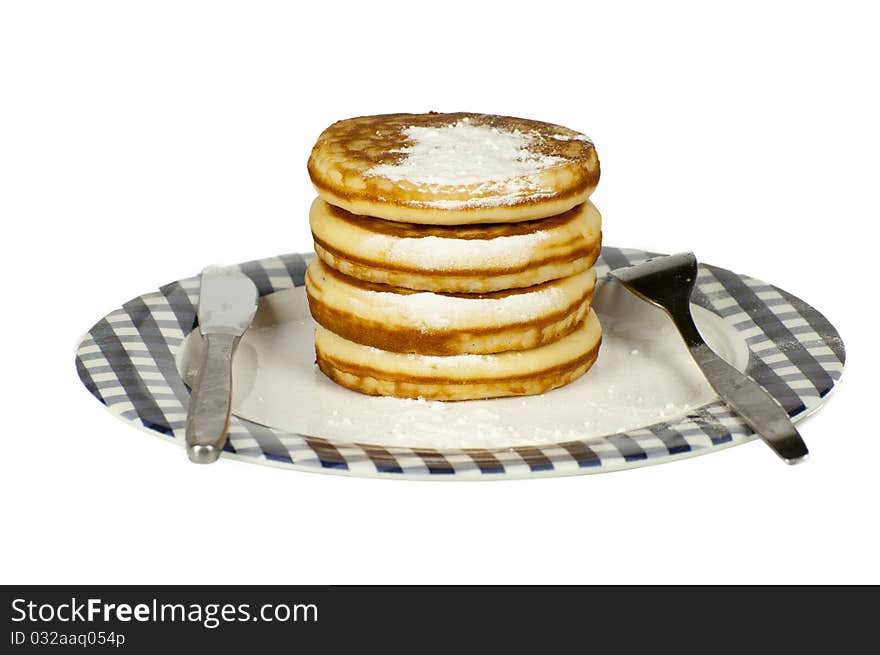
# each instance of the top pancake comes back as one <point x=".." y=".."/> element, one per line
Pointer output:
<point x="453" y="169"/>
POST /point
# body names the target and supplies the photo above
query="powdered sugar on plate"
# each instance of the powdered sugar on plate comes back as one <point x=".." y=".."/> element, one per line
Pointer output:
<point x="277" y="384"/>
<point x="491" y="164"/>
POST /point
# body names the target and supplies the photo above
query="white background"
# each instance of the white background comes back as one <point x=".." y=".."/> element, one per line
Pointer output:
<point x="142" y="141"/>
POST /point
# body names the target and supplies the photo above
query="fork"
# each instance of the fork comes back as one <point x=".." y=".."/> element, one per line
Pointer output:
<point x="668" y="282"/>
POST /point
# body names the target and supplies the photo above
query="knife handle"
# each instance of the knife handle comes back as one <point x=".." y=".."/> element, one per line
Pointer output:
<point x="210" y="401"/>
<point x="749" y="399"/>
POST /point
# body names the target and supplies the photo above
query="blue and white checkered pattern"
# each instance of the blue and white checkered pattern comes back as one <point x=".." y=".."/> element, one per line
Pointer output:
<point x="127" y="361"/>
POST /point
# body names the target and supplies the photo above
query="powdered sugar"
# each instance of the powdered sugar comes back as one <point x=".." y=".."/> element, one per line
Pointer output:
<point x="572" y="137"/>
<point x="442" y="254"/>
<point x="486" y="201"/>
<point x="440" y="363"/>
<point x="479" y="159"/>
<point x="431" y="311"/>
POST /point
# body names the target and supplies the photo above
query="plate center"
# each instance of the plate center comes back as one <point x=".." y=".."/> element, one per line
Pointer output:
<point x="643" y="375"/>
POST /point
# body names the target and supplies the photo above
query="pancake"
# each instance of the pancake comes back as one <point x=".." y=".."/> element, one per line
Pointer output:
<point x="459" y="259"/>
<point x="452" y="169"/>
<point x="402" y="320"/>
<point x="458" y="377"/>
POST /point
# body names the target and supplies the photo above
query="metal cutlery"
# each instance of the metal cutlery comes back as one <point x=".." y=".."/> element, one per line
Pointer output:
<point x="227" y="304"/>
<point x="668" y="282"/>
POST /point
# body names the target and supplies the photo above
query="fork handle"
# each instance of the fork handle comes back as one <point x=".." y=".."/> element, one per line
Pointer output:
<point x="210" y="402"/>
<point x="746" y="397"/>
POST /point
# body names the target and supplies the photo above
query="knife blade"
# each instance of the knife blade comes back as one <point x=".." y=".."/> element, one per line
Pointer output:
<point x="227" y="304"/>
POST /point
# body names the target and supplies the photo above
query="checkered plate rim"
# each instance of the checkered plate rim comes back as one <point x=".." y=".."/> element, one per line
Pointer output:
<point x="127" y="361"/>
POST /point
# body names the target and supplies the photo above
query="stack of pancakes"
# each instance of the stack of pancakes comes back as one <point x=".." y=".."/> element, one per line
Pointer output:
<point x="454" y="255"/>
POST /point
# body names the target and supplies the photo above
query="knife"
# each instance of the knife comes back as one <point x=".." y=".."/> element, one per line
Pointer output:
<point x="227" y="304"/>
